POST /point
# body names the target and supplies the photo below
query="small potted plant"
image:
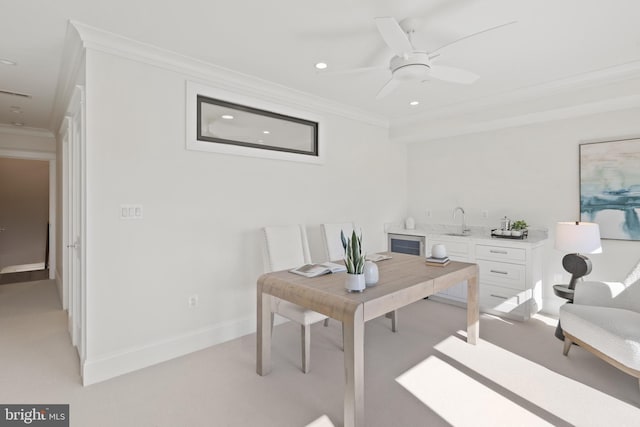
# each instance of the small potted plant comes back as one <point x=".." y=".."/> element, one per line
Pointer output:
<point x="518" y="227"/>
<point x="354" y="261"/>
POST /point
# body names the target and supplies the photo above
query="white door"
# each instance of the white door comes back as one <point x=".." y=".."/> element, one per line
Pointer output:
<point x="74" y="282"/>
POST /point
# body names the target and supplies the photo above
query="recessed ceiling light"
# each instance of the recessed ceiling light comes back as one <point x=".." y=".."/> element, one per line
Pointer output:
<point x="414" y="103"/>
<point x="6" y="61"/>
<point x="321" y="65"/>
<point x="227" y="116"/>
<point x="266" y="132"/>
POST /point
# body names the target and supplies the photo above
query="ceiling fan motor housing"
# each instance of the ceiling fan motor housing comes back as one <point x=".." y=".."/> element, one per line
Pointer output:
<point x="410" y="66"/>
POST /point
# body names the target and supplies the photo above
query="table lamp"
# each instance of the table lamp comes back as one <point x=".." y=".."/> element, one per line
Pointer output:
<point x="579" y="238"/>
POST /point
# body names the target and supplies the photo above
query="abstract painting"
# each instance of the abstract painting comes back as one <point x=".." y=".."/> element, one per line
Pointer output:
<point x="610" y="187"/>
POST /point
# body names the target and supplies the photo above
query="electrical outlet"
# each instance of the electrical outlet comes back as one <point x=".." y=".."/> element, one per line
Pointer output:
<point x="485" y="214"/>
<point x="193" y="301"/>
<point x="428" y="213"/>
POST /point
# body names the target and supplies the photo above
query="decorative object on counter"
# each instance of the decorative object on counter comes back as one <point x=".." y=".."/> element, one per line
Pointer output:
<point x="410" y="224"/>
<point x="580" y="238"/>
<point x="518" y="227"/>
<point x="508" y="234"/>
<point x="609" y="185"/>
<point x="505" y="224"/>
<point x="439" y="251"/>
<point x="437" y="262"/>
<point x="371" y="274"/>
<point x="354" y="260"/>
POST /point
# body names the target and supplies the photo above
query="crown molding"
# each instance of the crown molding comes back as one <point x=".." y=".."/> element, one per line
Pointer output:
<point x="72" y="64"/>
<point x="27" y="154"/>
<point x="213" y="75"/>
<point x="25" y="131"/>
<point x="574" y="83"/>
<point x="434" y="130"/>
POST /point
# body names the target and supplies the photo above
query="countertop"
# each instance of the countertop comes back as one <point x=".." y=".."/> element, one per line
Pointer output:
<point x="481" y="235"/>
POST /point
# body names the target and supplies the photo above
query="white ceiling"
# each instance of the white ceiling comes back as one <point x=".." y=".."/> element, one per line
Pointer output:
<point x="554" y="43"/>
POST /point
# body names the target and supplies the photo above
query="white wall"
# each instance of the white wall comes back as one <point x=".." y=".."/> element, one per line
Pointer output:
<point x="202" y="215"/>
<point x="528" y="172"/>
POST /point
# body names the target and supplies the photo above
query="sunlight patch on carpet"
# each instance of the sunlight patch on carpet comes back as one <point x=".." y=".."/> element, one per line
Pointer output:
<point x="460" y="400"/>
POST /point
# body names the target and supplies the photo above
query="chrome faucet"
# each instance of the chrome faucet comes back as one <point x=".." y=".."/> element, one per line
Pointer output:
<point x="463" y="226"/>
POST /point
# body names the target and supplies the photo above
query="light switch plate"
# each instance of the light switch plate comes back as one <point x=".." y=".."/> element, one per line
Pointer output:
<point x="131" y="212"/>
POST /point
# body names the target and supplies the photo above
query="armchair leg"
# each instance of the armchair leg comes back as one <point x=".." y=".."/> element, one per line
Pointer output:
<point x="567" y="346"/>
<point x="393" y="315"/>
<point x="326" y="322"/>
<point x="306" y="347"/>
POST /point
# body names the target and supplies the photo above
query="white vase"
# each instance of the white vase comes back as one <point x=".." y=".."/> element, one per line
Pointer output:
<point x="355" y="282"/>
<point x="409" y="224"/>
<point x="438" y="251"/>
<point x="371" y="275"/>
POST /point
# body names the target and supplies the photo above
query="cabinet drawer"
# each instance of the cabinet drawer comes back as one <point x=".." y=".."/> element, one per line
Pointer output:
<point x="500" y="253"/>
<point x="502" y="274"/>
<point x="501" y="299"/>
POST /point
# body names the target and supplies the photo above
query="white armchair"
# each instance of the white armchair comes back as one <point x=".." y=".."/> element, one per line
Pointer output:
<point x="287" y="247"/>
<point x="605" y="320"/>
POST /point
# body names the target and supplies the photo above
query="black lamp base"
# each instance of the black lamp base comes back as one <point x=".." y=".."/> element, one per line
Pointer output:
<point x="578" y="265"/>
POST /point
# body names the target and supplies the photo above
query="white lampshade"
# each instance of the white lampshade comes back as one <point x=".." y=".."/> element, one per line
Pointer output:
<point x="578" y="237"/>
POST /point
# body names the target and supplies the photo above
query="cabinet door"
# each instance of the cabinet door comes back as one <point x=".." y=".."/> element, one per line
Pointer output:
<point x="456" y="251"/>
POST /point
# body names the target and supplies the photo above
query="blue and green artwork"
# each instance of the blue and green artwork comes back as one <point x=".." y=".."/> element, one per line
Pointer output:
<point x="610" y="187"/>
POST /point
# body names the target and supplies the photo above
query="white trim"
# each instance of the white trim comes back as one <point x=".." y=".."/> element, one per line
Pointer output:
<point x="29" y="155"/>
<point x="114" y="44"/>
<point x="25" y="131"/>
<point x="570" y="84"/>
<point x="444" y="129"/>
<point x="111" y="365"/>
<point x="72" y="60"/>
<point x="53" y="200"/>
<point x="192" y="143"/>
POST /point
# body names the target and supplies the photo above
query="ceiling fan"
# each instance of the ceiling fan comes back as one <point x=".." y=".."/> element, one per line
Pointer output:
<point x="410" y="64"/>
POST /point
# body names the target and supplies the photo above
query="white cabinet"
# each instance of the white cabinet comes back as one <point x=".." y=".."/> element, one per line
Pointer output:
<point x="510" y="276"/>
<point x="510" y="279"/>
<point x="458" y="249"/>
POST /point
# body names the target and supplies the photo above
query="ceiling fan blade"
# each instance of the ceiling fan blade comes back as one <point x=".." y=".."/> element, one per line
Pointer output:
<point x="472" y="35"/>
<point x="393" y="35"/>
<point x="389" y="87"/>
<point x="351" y="70"/>
<point x="452" y="74"/>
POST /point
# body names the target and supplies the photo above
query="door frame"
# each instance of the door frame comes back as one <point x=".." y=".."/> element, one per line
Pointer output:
<point x="72" y="134"/>
<point x="51" y="158"/>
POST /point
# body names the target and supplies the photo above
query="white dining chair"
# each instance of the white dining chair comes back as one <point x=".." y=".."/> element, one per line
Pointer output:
<point x="287" y="247"/>
<point x="334" y="251"/>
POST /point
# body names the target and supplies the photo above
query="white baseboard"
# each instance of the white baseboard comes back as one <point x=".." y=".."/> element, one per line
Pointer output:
<point x="99" y="369"/>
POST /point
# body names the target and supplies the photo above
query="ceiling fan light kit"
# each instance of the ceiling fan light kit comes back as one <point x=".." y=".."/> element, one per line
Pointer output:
<point x="414" y="65"/>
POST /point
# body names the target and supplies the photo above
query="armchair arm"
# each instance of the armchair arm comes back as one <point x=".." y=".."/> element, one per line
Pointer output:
<point x="598" y="293"/>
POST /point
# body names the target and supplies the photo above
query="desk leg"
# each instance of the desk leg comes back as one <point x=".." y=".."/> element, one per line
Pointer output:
<point x="263" y="334"/>
<point x="473" y="310"/>
<point x="354" y="369"/>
